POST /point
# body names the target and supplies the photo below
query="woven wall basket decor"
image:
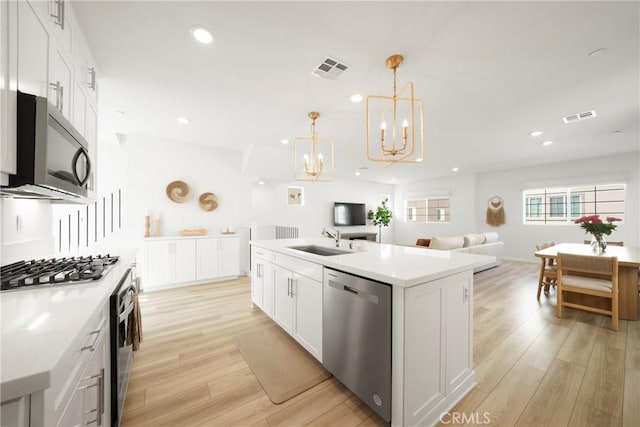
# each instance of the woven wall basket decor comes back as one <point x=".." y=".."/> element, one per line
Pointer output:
<point x="495" y="212"/>
<point x="208" y="201"/>
<point x="178" y="191"/>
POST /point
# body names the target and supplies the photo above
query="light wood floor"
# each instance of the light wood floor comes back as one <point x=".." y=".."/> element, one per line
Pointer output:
<point x="531" y="368"/>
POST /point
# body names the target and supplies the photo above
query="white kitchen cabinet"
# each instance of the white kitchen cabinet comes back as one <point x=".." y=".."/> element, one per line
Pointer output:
<point x="262" y="280"/>
<point x="61" y="23"/>
<point x="208" y="264"/>
<point x="434" y="355"/>
<point x="283" y="298"/>
<point x="79" y="391"/>
<point x="91" y="135"/>
<point x="459" y="333"/>
<point x="15" y="413"/>
<point x="60" y="79"/>
<point x="33" y="52"/>
<point x="307" y="294"/>
<point x="228" y="256"/>
<point x="217" y="257"/>
<point x="85" y="66"/>
<point x="8" y="85"/>
<point x="79" y="113"/>
<point x="298" y="301"/>
<point x="169" y="262"/>
<point x="87" y="405"/>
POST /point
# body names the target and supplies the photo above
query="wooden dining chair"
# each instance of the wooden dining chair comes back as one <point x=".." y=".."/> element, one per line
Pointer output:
<point x="589" y="275"/>
<point x="548" y="275"/>
<point x="587" y="242"/>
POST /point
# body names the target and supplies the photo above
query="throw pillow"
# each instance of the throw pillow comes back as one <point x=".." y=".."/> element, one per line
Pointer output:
<point x="473" y="239"/>
<point x="423" y="242"/>
<point x="446" y="243"/>
<point x="490" y="237"/>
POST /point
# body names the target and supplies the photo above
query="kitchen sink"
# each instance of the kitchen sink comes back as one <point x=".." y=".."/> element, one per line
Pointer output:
<point x="320" y="250"/>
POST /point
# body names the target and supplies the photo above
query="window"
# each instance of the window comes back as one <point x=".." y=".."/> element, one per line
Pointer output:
<point x="436" y="209"/>
<point x="564" y="205"/>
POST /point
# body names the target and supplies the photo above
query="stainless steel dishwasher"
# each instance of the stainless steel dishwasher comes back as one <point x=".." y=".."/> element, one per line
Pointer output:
<point x="356" y="337"/>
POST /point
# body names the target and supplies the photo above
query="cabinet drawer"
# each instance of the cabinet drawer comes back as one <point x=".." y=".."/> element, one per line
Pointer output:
<point x="300" y="266"/>
<point x="67" y="373"/>
<point x="264" y="254"/>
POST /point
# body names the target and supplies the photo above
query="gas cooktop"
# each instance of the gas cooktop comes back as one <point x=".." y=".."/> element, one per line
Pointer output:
<point x="55" y="271"/>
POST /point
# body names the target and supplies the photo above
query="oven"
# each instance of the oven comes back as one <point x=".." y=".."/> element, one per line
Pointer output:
<point x="121" y="305"/>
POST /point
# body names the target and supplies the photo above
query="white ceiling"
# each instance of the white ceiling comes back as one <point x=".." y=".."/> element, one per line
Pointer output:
<point x="488" y="73"/>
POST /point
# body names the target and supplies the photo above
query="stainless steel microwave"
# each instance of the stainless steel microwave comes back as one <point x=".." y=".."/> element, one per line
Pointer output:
<point x="52" y="159"/>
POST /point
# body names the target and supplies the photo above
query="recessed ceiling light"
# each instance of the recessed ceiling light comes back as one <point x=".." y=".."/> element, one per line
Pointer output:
<point x="547" y="143"/>
<point x="201" y="34"/>
<point x="616" y="132"/>
<point x="597" y="52"/>
<point x="357" y="173"/>
<point x="393" y="179"/>
<point x="454" y="169"/>
<point x="536" y="133"/>
<point x="356" y="97"/>
<point x="284" y="141"/>
<point x="419" y="159"/>
<point x="261" y="182"/>
<point x="183" y="120"/>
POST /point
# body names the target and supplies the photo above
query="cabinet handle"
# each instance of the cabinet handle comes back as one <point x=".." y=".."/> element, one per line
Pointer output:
<point x="92" y="347"/>
<point x="56" y="86"/>
<point x="59" y="15"/>
<point x="100" y="396"/>
<point x="466" y="294"/>
<point x="99" y="409"/>
<point x="61" y="97"/>
<point x="289" y="286"/>
<point x="92" y="78"/>
<point x="292" y="283"/>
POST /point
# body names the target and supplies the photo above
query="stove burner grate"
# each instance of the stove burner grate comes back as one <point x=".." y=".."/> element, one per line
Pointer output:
<point x="55" y="271"/>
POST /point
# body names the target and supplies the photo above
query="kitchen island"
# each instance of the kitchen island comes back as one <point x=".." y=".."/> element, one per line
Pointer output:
<point x="431" y="313"/>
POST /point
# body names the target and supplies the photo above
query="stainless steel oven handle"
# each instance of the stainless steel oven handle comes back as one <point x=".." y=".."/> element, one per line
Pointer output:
<point x="125" y="313"/>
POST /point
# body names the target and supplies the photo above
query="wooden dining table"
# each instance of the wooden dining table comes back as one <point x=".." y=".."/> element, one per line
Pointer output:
<point x="628" y="265"/>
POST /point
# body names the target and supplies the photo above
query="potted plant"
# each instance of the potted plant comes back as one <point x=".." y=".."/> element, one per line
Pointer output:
<point x="381" y="217"/>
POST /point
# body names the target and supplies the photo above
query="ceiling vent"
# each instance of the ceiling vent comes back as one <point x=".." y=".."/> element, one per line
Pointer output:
<point x="580" y="116"/>
<point x="330" y="69"/>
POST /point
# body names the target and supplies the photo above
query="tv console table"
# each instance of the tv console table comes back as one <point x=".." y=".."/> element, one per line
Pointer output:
<point x="360" y="236"/>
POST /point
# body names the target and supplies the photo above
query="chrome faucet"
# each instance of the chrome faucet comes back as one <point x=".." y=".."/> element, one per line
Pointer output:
<point x="335" y="235"/>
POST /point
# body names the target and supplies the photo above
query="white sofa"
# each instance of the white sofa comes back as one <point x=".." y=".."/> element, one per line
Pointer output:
<point x="481" y="244"/>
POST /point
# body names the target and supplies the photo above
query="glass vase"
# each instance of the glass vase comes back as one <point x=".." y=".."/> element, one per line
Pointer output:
<point x="598" y="243"/>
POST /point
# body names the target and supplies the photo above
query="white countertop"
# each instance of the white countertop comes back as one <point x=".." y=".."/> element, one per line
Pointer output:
<point x="205" y="236"/>
<point x="39" y="324"/>
<point x="397" y="265"/>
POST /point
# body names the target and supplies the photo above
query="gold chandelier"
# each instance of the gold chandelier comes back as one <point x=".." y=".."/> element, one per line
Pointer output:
<point x="313" y="158"/>
<point x="395" y="124"/>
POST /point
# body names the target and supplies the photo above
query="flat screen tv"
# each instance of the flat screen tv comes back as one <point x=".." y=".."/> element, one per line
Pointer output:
<point x="349" y="214"/>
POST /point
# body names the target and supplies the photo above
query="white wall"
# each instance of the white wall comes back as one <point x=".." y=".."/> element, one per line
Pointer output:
<point x="470" y="195"/>
<point x="461" y="190"/>
<point x="520" y="239"/>
<point x="26" y="230"/>
<point x="269" y="205"/>
<point x="152" y="165"/>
